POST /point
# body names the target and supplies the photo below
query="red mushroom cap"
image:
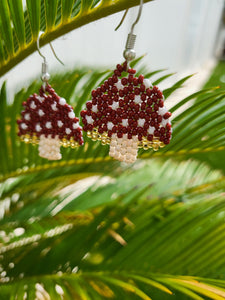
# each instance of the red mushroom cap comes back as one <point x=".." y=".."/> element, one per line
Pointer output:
<point x="48" y="114"/>
<point x="128" y="105"/>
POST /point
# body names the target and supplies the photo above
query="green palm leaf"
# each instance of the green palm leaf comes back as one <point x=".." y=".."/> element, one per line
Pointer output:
<point x="54" y="17"/>
<point x="216" y="160"/>
<point x="100" y="245"/>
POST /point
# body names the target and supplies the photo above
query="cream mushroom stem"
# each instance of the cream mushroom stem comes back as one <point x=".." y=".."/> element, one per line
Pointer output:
<point x="124" y="149"/>
<point x="49" y="147"/>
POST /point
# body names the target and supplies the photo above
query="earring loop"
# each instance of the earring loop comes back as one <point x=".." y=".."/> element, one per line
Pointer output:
<point x="45" y="75"/>
<point x="129" y="52"/>
<point x="53" y="50"/>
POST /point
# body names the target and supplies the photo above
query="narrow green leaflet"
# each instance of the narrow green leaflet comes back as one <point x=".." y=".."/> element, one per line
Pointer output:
<point x="182" y="289"/>
<point x="128" y="287"/>
<point x="34" y="9"/>
<point x="85" y="5"/>
<point x="51" y="10"/>
<point x="6" y="28"/>
<point x="5" y="163"/>
<point x="151" y="282"/>
<point x="162" y="78"/>
<point x="17" y="14"/>
<point x="3" y="53"/>
<point x="167" y="92"/>
<point x="206" y="290"/>
<point x="66" y="10"/>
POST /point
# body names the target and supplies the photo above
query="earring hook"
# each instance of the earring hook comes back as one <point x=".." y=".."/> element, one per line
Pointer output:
<point x="53" y="50"/>
<point x="129" y="52"/>
<point x="38" y="46"/>
<point x="138" y="16"/>
<point x="135" y="22"/>
<point x="45" y="75"/>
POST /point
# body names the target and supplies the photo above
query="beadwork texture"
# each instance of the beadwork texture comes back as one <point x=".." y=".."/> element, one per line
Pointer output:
<point x="127" y="113"/>
<point x="49" y="121"/>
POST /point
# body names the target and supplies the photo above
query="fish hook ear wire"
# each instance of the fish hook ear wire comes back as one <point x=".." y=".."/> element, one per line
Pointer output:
<point x="45" y="75"/>
<point x="129" y="52"/>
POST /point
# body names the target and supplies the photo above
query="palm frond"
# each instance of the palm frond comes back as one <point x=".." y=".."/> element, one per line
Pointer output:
<point x="70" y="192"/>
<point x="216" y="160"/>
<point x="20" y="26"/>
<point x="92" y="245"/>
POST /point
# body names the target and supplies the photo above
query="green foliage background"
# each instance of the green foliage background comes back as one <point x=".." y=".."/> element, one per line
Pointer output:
<point x="88" y="227"/>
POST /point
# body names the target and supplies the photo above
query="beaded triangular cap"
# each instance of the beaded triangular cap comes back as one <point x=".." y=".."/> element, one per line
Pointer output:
<point x="127" y="113"/>
<point x="49" y="121"/>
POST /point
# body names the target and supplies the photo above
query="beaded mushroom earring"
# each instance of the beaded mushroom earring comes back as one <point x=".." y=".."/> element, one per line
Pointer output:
<point x="48" y="120"/>
<point x="126" y="111"/>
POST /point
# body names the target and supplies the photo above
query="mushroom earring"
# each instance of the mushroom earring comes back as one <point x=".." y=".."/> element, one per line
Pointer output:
<point x="48" y="120"/>
<point x="126" y="111"/>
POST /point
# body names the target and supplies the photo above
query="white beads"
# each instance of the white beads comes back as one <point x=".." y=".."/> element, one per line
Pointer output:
<point x="48" y="125"/>
<point x="89" y="119"/>
<point x="53" y="106"/>
<point x="125" y="122"/>
<point x="68" y="130"/>
<point x="33" y="105"/>
<point x="110" y="125"/>
<point x="113" y="142"/>
<point x="40" y="112"/>
<point x="115" y="105"/>
<point x="75" y="126"/>
<point x="41" y="99"/>
<point x="62" y="101"/>
<point x="162" y="111"/>
<point x="151" y="130"/>
<point x="164" y="122"/>
<point x="49" y="148"/>
<point x="60" y="123"/>
<point x="137" y="99"/>
<point x="141" y="122"/>
<point x="23" y="126"/>
<point x="123" y="149"/>
<point x="38" y="127"/>
<point x="147" y="83"/>
<point x="119" y="85"/>
<point x="27" y="117"/>
<point x="94" y="108"/>
<point x="71" y="115"/>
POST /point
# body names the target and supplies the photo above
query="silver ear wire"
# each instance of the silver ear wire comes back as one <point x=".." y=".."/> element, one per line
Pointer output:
<point x="129" y="52"/>
<point x="45" y="75"/>
<point x="138" y="16"/>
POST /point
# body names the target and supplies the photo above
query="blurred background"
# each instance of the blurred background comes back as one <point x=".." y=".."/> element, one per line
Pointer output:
<point x="182" y="36"/>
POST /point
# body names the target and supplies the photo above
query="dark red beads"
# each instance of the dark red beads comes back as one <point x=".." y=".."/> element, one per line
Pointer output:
<point x="128" y="105"/>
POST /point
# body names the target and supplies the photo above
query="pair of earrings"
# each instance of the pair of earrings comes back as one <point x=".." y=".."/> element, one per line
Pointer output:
<point x="126" y="112"/>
